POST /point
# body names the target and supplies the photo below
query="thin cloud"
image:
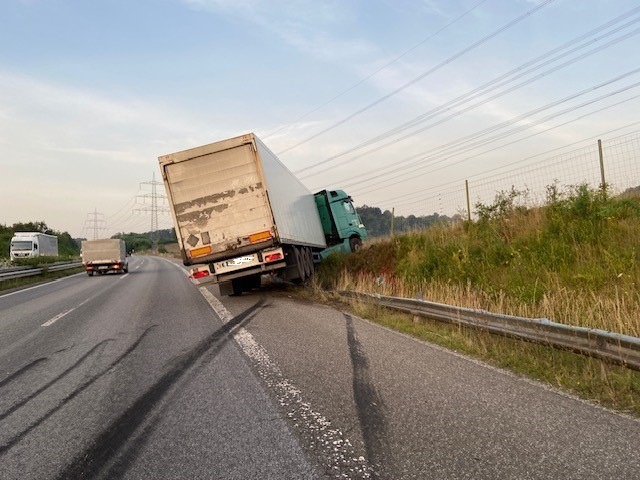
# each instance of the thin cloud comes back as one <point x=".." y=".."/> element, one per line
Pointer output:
<point x="309" y="26"/>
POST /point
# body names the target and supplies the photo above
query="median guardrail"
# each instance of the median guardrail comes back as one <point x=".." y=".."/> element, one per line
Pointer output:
<point x="32" y="271"/>
<point x="609" y="346"/>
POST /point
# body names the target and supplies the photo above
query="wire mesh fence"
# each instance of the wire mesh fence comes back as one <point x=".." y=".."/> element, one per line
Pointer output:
<point x="619" y="169"/>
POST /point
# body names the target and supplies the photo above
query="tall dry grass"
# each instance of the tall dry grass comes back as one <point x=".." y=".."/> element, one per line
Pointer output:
<point x="573" y="261"/>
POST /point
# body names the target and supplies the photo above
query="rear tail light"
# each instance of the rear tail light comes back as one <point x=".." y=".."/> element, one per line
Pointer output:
<point x="200" y="273"/>
<point x="272" y="257"/>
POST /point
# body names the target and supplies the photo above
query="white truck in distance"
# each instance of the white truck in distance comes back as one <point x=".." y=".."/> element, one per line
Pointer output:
<point x="239" y="212"/>
<point x="102" y="256"/>
<point x="33" y="244"/>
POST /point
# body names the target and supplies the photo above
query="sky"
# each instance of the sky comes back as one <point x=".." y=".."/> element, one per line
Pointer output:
<point x="377" y="97"/>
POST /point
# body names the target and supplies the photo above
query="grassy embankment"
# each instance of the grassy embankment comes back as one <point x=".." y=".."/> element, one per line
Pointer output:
<point x="573" y="261"/>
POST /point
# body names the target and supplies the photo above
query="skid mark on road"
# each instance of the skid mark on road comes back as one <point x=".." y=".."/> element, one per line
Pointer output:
<point x="116" y="447"/>
<point x="14" y="440"/>
<point x="369" y="403"/>
<point x="21" y="371"/>
<point x="335" y="451"/>
<point x="30" y="397"/>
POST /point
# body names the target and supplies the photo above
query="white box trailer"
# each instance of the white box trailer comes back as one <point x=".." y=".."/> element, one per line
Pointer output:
<point x="33" y="244"/>
<point x="239" y="212"/>
<point x="105" y="255"/>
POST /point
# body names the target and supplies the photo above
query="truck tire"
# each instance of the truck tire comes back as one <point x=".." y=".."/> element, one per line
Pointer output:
<point x="355" y="243"/>
<point x="308" y="262"/>
<point x="237" y="285"/>
<point x="254" y="281"/>
<point x="90" y="273"/>
<point x="302" y="271"/>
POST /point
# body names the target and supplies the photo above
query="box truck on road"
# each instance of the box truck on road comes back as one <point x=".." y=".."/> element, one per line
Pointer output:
<point x="239" y="212"/>
<point x="103" y="256"/>
<point x="33" y="244"/>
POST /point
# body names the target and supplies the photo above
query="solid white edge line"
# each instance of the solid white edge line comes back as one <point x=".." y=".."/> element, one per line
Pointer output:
<point x="333" y="442"/>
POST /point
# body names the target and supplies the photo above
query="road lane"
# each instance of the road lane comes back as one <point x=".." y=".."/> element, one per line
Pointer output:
<point x="144" y="380"/>
<point x="141" y="381"/>
<point x="414" y="410"/>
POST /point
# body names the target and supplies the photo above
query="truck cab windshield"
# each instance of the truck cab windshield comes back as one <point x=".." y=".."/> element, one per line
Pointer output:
<point x="21" y="246"/>
<point x="348" y="206"/>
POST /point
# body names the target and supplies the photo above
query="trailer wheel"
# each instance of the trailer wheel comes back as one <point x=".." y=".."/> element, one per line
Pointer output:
<point x="302" y="271"/>
<point x="308" y="262"/>
<point x="237" y="287"/>
<point x="90" y="273"/>
<point x="355" y="243"/>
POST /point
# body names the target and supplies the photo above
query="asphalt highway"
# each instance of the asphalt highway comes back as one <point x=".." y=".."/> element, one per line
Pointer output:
<point x="145" y="375"/>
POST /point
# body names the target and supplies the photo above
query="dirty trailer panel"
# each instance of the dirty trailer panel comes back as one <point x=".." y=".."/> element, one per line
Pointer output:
<point x="233" y="197"/>
<point x="219" y="199"/>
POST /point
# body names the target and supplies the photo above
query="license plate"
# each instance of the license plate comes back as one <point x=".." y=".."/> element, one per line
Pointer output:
<point x="238" y="261"/>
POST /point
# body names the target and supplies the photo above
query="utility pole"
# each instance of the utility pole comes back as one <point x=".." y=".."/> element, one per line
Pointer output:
<point x="95" y="221"/>
<point x="150" y="205"/>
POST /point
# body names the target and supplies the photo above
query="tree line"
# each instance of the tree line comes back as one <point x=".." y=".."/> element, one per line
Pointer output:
<point x="379" y="223"/>
<point x="67" y="246"/>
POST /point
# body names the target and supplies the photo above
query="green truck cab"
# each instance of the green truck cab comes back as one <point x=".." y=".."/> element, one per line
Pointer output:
<point x="342" y="226"/>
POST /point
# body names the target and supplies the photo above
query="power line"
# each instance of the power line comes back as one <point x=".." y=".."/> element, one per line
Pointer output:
<point x="572" y="168"/>
<point x="484" y="152"/>
<point x="465" y="143"/>
<point x="428" y="72"/>
<point x="488" y="87"/>
<point x="378" y="70"/>
<point x="442" y="160"/>
<point x="496" y="169"/>
<point x="529" y="168"/>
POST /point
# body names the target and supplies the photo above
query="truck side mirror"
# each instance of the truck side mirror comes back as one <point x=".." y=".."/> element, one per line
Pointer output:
<point x="35" y="246"/>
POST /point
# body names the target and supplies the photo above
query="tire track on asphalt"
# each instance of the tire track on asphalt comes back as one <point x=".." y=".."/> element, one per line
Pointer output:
<point x="334" y="450"/>
<point x="21" y="371"/>
<point x="370" y="405"/>
<point x="15" y="439"/>
<point x="40" y="390"/>
<point x="112" y="450"/>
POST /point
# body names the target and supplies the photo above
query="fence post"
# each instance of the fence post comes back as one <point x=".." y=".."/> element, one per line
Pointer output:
<point x="393" y="216"/>
<point x="603" y="185"/>
<point x="466" y="184"/>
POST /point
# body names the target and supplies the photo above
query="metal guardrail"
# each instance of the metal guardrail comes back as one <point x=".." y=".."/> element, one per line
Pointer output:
<point x="612" y="347"/>
<point x="63" y="266"/>
<point x="13" y="269"/>
<point x="31" y="271"/>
